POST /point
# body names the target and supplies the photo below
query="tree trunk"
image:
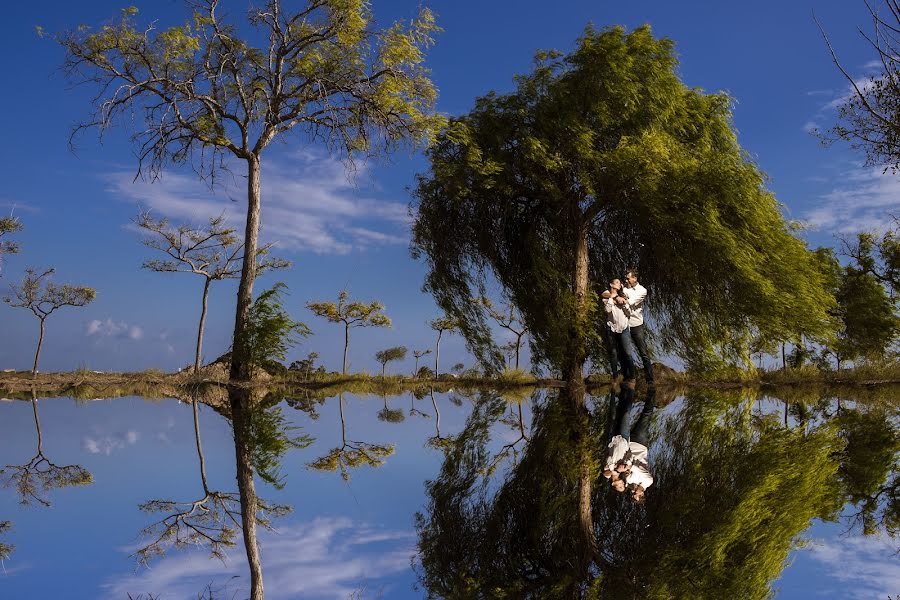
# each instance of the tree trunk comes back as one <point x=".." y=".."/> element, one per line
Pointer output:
<point x="383" y="365"/>
<point x="200" y="328"/>
<point x="199" y="447"/>
<point x="240" y="352"/>
<point x="437" y="354"/>
<point x="783" y="360"/>
<point x="573" y="371"/>
<point x="518" y="345"/>
<point x="416" y="371"/>
<point x="346" y="345"/>
<point x="240" y="417"/>
<point x="37" y="353"/>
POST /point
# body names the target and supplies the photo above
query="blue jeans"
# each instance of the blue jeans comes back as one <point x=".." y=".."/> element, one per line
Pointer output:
<point x="621" y="349"/>
<point x="636" y="333"/>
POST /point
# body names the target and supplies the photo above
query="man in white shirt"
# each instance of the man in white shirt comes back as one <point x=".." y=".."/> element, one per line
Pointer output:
<point x="617" y="314"/>
<point x="636" y="294"/>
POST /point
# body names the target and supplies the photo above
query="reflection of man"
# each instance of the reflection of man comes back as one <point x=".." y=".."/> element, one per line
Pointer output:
<point x="618" y="451"/>
<point x="635" y="294"/>
<point x="627" y="461"/>
<point x="639" y="477"/>
<point x="617" y="314"/>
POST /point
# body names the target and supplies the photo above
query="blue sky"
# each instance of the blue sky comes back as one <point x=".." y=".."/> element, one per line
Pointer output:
<point x="77" y="207"/>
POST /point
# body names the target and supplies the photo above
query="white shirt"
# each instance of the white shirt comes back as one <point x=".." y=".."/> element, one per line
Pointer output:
<point x="617" y="449"/>
<point x="616" y="316"/>
<point x="640" y="467"/>
<point x="636" y="297"/>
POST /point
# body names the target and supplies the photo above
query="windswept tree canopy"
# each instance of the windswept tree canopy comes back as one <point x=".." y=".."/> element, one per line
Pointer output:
<point x="608" y="138"/>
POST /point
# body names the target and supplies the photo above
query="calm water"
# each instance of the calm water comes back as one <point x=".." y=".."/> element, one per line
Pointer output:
<point x="476" y="494"/>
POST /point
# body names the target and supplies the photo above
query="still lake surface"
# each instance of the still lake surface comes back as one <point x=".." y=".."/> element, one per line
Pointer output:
<point x="480" y="490"/>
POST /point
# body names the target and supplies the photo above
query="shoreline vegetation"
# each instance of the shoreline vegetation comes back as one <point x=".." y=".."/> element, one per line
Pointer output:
<point x="84" y="384"/>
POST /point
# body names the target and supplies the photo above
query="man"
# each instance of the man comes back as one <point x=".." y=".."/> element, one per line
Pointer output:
<point x="617" y="311"/>
<point x="635" y="295"/>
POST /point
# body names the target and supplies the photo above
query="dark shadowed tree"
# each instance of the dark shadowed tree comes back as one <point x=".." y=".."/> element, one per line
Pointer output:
<point x="868" y="323"/>
<point x="213" y="252"/>
<point x="601" y="159"/>
<point x="352" y="314"/>
<point x="43" y="298"/>
<point x="390" y="355"/>
<point x="207" y="90"/>
<point x="8" y="226"/>
<point x="878" y="255"/>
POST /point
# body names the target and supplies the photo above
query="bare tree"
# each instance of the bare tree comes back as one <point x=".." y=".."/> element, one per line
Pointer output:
<point x="419" y="354"/>
<point x="43" y="298"/>
<point x="441" y="325"/>
<point x="352" y="314"/>
<point x="213" y="252"/>
<point x="204" y="93"/>
<point x="8" y="225"/>
<point x="507" y="317"/>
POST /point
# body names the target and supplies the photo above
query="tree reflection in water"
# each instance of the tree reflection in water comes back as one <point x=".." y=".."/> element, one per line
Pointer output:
<point x="731" y="494"/>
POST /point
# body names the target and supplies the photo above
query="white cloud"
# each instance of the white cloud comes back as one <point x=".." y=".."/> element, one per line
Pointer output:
<point x="114" y="329"/>
<point x="861" y="202"/>
<point x="107" y="444"/>
<point x="324" y="558"/>
<point x="309" y="203"/>
<point x="864" y="84"/>
<point x="868" y="565"/>
<point x="811" y="127"/>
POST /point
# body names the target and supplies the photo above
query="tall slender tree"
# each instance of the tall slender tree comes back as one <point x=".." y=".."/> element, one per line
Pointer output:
<point x="351" y="314"/>
<point x="390" y="355"/>
<point x="441" y="324"/>
<point x="209" y="89"/>
<point x="43" y="298"/>
<point x="213" y="252"/>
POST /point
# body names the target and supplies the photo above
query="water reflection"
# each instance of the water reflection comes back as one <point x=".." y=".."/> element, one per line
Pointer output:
<point x="628" y="494"/>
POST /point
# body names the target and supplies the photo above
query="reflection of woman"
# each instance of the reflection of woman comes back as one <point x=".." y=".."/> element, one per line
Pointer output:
<point x="627" y="461"/>
<point x="618" y="457"/>
<point x="618" y="338"/>
<point x="639" y="477"/>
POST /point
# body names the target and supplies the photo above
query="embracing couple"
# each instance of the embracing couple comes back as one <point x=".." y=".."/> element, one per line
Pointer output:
<point x="625" y="326"/>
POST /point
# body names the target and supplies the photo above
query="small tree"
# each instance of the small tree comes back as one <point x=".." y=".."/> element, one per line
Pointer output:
<point x="352" y="314"/>
<point x="271" y="332"/>
<point x="305" y="365"/>
<point x="441" y="325"/>
<point x="390" y="355"/>
<point x="8" y="225"/>
<point x="419" y="354"/>
<point x="213" y="252"/>
<point x="5" y="549"/>
<point x="43" y="298"/>
<point x="507" y="317"/>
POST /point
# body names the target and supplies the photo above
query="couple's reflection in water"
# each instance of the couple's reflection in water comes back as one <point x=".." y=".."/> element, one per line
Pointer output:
<point x="704" y="502"/>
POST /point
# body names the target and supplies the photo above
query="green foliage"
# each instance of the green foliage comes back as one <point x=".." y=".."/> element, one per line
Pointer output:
<point x="390" y="355"/>
<point x="352" y="455"/>
<point x="8" y="225"/>
<point x="868" y="322"/>
<point x="270" y="331"/>
<point x="607" y="139"/>
<point x="270" y="437"/>
<point x="44" y="297"/>
<point x="352" y="314"/>
<point x="5" y="549"/>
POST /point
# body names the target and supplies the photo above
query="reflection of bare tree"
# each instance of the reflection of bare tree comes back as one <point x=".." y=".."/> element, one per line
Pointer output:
<point x="34" y="480"/>
<point x="437" y="440"/>
<point x="413" y="411"/>
<point x="351" y="454"/>
<point x="212" y="520"/>
<point x="515" y="421"/>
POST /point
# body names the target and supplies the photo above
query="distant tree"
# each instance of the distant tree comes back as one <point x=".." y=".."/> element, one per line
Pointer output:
<point x="458" y="368"/>
<point x="868" y="322"/>
<point x="419" y="354"/>
<point x="270" y="331"/>
<point x="306" y="365"/>
<point x="390" y="415"/>
<point x="213" y="252"/>
<point x="202" y="92"/>
<point x="425" y="372"/>
<point x="507" y="317"/>
<point x="5" y="549"/>
<point x="441" y="324"/>
<point x="390" y="355"/>
<point x="353" y="314"/>
<point x="43" y="298"/>
<point x="8" y="225"/>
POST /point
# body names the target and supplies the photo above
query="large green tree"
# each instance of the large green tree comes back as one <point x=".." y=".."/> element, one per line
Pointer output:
<point x="209" y="89"/>
<point x="868" y="323"/>
<point x="601" y="159"/>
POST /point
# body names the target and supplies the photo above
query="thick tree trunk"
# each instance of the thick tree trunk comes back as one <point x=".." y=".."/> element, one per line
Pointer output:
<point x="240" y="352"/>
<point x="240" y="419"/>
<point x="518" y="345"/>
<point x="202" y="325"/>
<point x="783" y="358"/>
<point x="199" y="447"/>
<point x="37" y="353"/>
<point x="346" y="345"/>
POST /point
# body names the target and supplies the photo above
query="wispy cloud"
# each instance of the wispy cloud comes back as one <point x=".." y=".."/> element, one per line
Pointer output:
<point x="325" y="558"/>
<point x="861" y="201"/>
<point x="868" y="565"/>
<point x="309" y="203"/>
<point x="114" y="329"/>
<point x="107" y="444"/>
